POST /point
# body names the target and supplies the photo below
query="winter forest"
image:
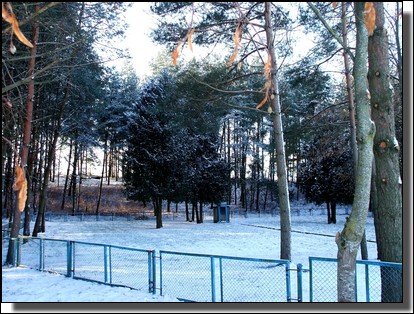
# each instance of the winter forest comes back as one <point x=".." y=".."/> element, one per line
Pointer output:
<point x="255" y="119"/>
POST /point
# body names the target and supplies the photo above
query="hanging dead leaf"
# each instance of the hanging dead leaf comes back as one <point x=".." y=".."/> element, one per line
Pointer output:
<point x="260" y="105"/>
<point x="8" y="15"/>
<point x="20" y="185"/>
<point x="334" y="4"/>
<point x="369" y="13"/>
<point x="267" y="74"/>
<point x="176" y="52"/>
<point x="236" y="39"/>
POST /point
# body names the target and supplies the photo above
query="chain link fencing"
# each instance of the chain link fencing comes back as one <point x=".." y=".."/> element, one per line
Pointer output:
<point x="207" y="278"/>
<point x="375" y="281"/>
<point x="215" y="278"/>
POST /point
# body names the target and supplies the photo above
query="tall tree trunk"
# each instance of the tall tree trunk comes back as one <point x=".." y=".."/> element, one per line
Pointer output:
<point x="74" y="175"/>
<point x="65" y="187"/>
<point x="109" y="162"/>
<point x="364" y="251"/>
<point x="333" y="212"/>
<point x="285" y="224"/>
<point x="7" y="184"/>
<point x="14" y="233"/>
<point x="31" y="193"/>
<point x="243" y="201"/>
<point x="195" y="207"/>
<point x="158" y="212"/>
<point x="328" y="210"/>
<point x="187" y="214"/>
<point x="201" y="212"/>
<point x="102" y="174"/>
<point x="349" y="240"/>
<point x="388" y="215"/>
<point x="228" y="158"/>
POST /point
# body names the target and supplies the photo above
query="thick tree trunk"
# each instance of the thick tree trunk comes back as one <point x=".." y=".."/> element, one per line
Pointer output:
<point x="349" y="239"/>
<point x="285" y="224"/>
<point x="349" y="88"/>
<point x="388" y="214"/>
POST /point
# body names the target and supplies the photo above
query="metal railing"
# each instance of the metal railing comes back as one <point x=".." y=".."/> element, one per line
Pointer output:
<point x="204" y="277"/>
<point x="375" y="281"/>
<point x="107" y="264"/>
<point x="216" y="278"/>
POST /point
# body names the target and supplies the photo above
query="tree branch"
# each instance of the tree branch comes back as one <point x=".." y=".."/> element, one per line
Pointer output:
<point x="330" y="30"/>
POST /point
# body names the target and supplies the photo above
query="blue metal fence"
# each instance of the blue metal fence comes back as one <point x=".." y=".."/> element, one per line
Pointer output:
<point x="371" y="280"/>
<point x="216" y="278"/>
<point x="206" y="278"/>
<point x="101" y="263"/>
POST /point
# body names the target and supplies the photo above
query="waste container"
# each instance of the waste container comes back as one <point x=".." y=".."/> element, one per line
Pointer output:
<point x="221" y="213"/>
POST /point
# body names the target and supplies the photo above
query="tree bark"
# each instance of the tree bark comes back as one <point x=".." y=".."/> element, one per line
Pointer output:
<point x="285" y="224"/>
<point x="388" y="214"/>
<point x="14" y="233"/>
<point x="364" y="251"/>
<point x="349" y="240"/>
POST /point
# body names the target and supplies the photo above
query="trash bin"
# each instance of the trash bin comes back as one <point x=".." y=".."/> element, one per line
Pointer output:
<point x="221" y="213"/>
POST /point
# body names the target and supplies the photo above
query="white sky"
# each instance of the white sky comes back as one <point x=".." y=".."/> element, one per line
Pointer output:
<point x="143" y="50"/>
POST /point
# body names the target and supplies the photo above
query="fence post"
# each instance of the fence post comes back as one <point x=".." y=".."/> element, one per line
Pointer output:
<point x="367" y="283"/>
<point x="16" y="257"/>
<point x="213" y="281"/>
<point x="69" y="258"/>
<point x="151" y="272"/>
<point x="221" y="278"/>
<point x="41" y="255"/>
<point x="288" y="291"/>
<point x="299" y="277"/>
<point x="106" y="263"/>
<point x="160" y="273"/>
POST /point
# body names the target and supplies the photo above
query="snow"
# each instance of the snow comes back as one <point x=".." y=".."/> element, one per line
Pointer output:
<point x="254" y="236"/>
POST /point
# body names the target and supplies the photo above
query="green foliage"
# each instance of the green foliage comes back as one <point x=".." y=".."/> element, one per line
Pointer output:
<point x="167" y="156"/>
<point x="304" y="90"/>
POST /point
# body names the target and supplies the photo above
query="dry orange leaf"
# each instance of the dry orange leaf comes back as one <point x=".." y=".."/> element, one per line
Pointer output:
<point x="176" y="52"/>
<point x="236" y="39"/>
<point x="177" y="49"/>
<point x="20" y="185"/>
<point x="267" y="73"/>
<point x="8" y="16"/>
<point x="370" y="17"/>
<point x="263" y="101"/>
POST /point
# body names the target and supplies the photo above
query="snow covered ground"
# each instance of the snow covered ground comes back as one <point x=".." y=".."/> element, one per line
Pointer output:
<point x="254" y="236"/>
